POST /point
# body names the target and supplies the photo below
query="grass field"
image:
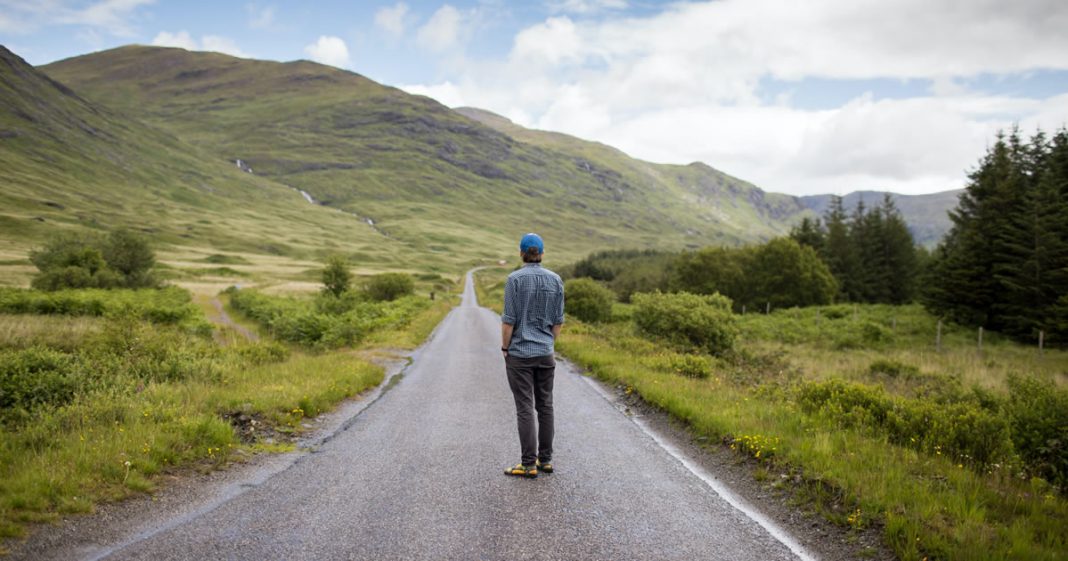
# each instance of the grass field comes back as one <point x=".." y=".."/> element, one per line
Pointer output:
<point x="819" y="406"/>
<point x="95" y="407"/>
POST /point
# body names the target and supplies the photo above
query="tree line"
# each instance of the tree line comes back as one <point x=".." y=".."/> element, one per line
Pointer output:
<point x="1004" y="263"/>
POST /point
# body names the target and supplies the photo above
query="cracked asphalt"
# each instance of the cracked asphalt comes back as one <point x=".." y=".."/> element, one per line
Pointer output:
<point x="418" y="475"/>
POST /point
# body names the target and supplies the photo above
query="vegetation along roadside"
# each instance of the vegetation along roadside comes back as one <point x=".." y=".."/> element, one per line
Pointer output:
<point x="102" y="390"/>
<point x="853" y="408"/>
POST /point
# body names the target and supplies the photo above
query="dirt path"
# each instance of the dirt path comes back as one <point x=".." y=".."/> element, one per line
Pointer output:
<point x="223" y="319"/>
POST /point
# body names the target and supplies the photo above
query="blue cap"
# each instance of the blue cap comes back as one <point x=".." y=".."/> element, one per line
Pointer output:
<point x="529" y="241"/>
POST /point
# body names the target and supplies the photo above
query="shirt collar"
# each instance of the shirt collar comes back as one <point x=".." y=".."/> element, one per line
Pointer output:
<point x="526" y="265"/>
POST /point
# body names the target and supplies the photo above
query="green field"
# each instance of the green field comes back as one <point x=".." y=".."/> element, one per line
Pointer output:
<point x="102" y="392"/>
<point x="855" y="410"/>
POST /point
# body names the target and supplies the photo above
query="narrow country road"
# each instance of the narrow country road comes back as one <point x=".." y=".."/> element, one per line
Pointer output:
<point x="418" y="475"/>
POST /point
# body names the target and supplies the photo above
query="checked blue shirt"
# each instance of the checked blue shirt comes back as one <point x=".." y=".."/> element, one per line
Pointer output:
<point x="533" y="304"/>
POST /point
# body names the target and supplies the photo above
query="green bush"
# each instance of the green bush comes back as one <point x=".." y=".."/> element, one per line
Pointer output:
<point x="691" y="366"/>
<point x="121" y="259"/>
<point x="386" y="287"/>
<point x="1038" y="413"/>
<point x="324" y="321"/>
<point x="336" y="275"/>
<point x="703" y="321"/>
<point x="169" y="305"/>
<point x="964" y="431"/>
<point x="35" y="377"/>
<point x="893" y="369"/>
<point x="588" y="300"/>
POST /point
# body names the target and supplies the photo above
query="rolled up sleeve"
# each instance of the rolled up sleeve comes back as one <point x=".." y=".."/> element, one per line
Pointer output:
<point x="559" y="319"/>
<point x="508" y="316"/>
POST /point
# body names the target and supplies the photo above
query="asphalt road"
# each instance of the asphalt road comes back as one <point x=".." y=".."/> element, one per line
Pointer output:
<point x="418" y="475"/>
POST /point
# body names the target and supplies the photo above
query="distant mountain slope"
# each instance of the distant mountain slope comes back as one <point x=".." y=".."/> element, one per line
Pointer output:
<point x="71" y="164"/>
<point x="926" y="215"/>
<point x="425" y="174"/>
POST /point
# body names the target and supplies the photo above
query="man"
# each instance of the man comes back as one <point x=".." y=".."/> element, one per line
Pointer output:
<point x="533" y="315"/>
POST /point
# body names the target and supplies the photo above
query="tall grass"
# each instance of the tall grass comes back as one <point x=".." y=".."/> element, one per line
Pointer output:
<point x="857" y="412"/>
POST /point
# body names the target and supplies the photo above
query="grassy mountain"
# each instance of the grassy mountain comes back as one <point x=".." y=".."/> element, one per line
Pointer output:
<point x="70" y="163"/>
<point x="926" y="215"/>
<point x="426" y="175"/>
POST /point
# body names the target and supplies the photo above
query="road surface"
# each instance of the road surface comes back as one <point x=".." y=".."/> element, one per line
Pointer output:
<point x="419" y="475"/>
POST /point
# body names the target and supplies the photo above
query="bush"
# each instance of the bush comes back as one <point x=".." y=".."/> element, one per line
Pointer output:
<point x="390" y="286"/>
<point x="588" y="300"/>
<point x="964" y="431"/>
<point x="1038" y="413"/>
<point x="336" y="275"/>
<point x="35" y="377"/>
<point x="122" y="259"/>
<point x="689" y="319"/>
<point x="893" y="369"/>
<point x="167" y="305"/>
<point x="691" y="366"/>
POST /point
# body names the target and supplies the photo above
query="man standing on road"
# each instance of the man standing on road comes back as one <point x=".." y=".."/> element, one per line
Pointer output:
<point x="533" y="315"/>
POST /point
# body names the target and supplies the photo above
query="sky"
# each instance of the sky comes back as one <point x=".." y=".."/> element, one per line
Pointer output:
<point x="819" y="96"/>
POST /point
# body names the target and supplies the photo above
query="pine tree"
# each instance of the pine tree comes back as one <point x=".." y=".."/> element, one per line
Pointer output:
<point x="964" y="286"/>
<point x="839" y="252"/>
<point x="899" y="254"/>
<point x="809" y="232"/>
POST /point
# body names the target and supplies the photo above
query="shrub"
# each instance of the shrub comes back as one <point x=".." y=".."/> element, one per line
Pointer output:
<point x="122" y="259"/>
<point x="390" y="286"/>
<point x="689" y="319"/>
<point x="37" y="376"/>
<point x="336" y="275"/>
<point x="893" y="369"/>
<point x="1038" y="413"/>
<point x="691" y="366"/>
<point x="964" y="431"/>
<point x="588" y="300"/>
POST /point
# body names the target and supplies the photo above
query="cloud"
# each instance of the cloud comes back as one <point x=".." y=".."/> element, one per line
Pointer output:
<point x="586" y="6"/>
<point x="260" y="18"/>
<point x="329" y="50"/>
<point x="685" y="84"/>
<point x="116" y="17"/>
<point x="184" y="40"/>
<point x="442" y="31"/>
<point x="181" y="39"/>
<point x="392" y="19"/>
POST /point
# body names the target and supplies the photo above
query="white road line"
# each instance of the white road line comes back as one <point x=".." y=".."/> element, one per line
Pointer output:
<point x="716" y="485"/>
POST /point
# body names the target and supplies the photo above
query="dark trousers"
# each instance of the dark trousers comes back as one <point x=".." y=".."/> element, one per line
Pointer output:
<point x="531" y="380"/>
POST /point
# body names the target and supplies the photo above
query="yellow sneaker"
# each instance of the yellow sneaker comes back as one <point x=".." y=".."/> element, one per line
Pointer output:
<point x="544" y="468"/>
<point x="520" y="470"/>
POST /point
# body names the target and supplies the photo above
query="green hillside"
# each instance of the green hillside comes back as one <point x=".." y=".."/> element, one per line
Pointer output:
<point x="423" y="173"/>
<point x="72" y="164"/>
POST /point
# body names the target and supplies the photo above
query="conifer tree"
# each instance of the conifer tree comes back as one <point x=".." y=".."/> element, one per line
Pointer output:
<point x="839" y="252"/>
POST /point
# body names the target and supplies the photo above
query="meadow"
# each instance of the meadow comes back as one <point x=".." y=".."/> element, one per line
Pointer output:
<point x="953" y="452"/>
<point x="103" y="391"/>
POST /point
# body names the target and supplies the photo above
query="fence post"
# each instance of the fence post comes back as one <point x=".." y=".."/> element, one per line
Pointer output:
<point x="894" y="324"/>
<point x="980" y="338"/>
<point x="938" y="337"/>
<point x="854" y="312"/>
<point x="743" y="309"/>
<point x="767" y="308"/>
<point x="1041" y="340"/>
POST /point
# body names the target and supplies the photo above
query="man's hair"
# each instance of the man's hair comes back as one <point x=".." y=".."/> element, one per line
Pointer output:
<point x="532" y="255"/>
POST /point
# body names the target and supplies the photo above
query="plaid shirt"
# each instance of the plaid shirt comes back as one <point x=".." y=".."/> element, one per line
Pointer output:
<point x="533" y="304"/>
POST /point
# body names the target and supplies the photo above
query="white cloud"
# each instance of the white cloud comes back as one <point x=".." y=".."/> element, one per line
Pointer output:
<point x="586" y="6"/>
<point x="685" y="85"/>
<point x="260" y="18"/>
<point x="329" y="50"/>
<point x="442" y="31"/>
<point x="183" y="40"/>
<point x="392" y="19"/>
<point x="116" y="17"/>
<point x="445" y="93"/>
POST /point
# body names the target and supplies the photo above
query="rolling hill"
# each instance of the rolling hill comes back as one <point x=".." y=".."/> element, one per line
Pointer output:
<point x="72" y="164"/>
<point x="149" y="137"/>
<point x="423" y="173"/>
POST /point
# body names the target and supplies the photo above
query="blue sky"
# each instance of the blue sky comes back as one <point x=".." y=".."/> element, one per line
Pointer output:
<point x="799" y="97"/>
